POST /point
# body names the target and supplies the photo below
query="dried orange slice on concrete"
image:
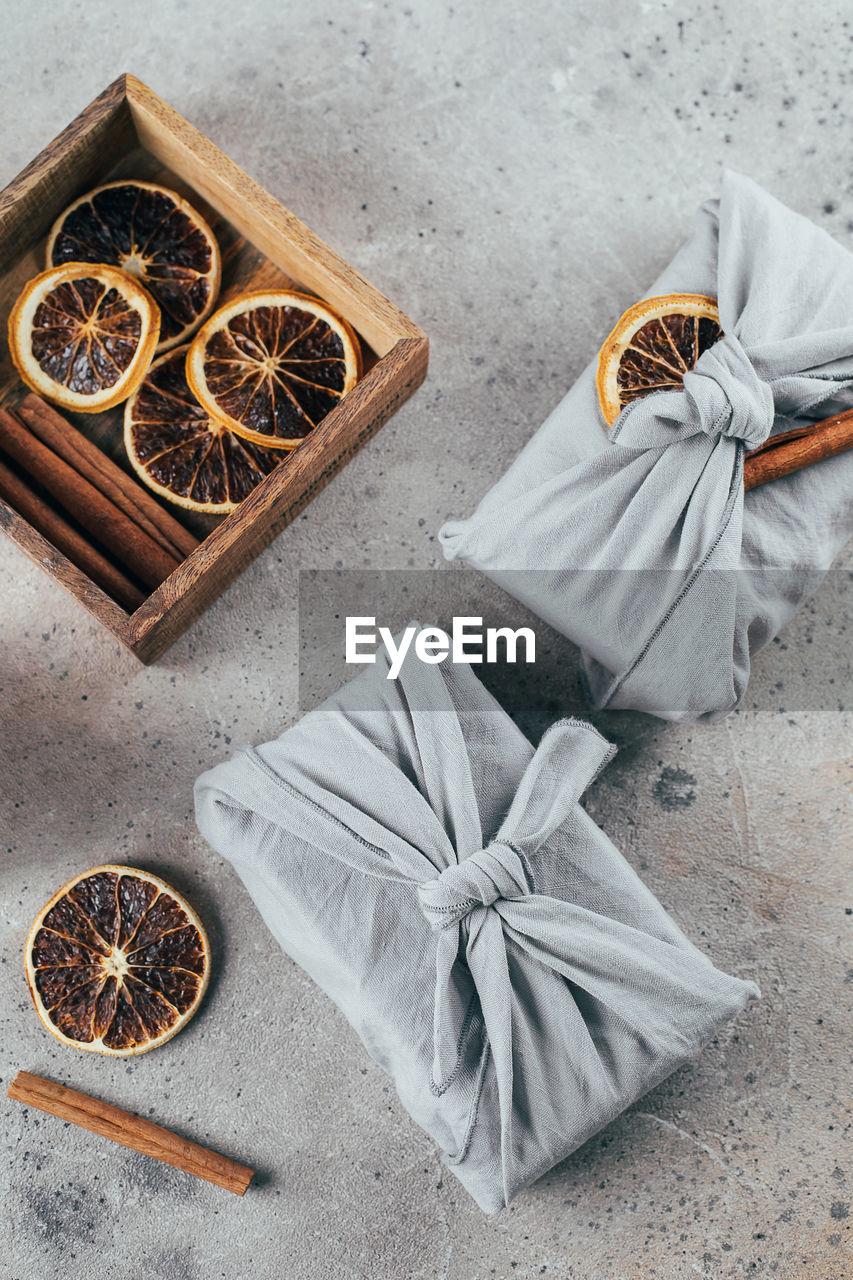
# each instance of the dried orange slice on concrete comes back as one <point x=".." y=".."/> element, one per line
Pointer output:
<point x="182" y="453"/>
<point x="83" y="335"/>
<point x="273" y="365"/>
<point x="117" y="962"/>
<point x="651" y="348"/>
<point x="156" y="236"/>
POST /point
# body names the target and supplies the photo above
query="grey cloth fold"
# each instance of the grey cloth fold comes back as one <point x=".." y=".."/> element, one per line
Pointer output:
<point x="642" y="547"/>
<point x="438" y="878"/>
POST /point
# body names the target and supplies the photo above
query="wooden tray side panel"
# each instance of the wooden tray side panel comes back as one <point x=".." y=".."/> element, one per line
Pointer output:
<point x="264" y="221"/>
<point x="277" y="501"/>
<point x="67" y="166"/>
<point x="66" y="574"/>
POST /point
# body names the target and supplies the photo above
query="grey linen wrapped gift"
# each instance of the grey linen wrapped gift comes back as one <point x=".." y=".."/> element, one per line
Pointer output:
<point x="438" y="878"/>
<point x="643" y="548"/>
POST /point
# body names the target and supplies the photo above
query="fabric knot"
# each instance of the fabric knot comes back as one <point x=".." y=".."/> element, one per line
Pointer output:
<point x="478" y="881"/>
<point x="722" y="396"/>
<point x="731" y="398"/>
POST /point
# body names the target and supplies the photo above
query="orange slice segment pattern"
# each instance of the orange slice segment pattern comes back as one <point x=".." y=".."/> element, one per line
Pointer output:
<point x="82" y="336"/>
<point x="651" y="348"/>
<point x="153" y="234"/>
<point x="117" y="962"/>
<point x="661" y="352"/>
<point x="288" y="400"/>
<point x="273" y="366"/>
<point x="85" y="335"/>
<point x="182" y="453"/>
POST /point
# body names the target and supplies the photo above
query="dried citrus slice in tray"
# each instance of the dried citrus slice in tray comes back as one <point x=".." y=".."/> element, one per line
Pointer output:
<point x="83" y="335"/>
<point x="651" y="348"/>
<point x="273" y="364"/>
<point x="156" y="236"/>
<point x="182" y="453"/>
<point x="117" y="961"/>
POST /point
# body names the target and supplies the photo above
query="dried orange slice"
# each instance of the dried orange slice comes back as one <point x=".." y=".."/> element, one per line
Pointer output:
<point x="182" y="453"/>
<point x="83" y="336"/>
<point x="273" y="365"/>
<point x="117" y="962"/>
<point x="156" y="236"/>
<point x="651" y="348"/>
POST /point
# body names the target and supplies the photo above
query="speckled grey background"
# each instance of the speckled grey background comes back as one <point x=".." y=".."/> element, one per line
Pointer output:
<point x="512" y="176"/>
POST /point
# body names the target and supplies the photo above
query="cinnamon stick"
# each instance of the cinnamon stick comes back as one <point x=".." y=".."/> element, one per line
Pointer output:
<point x="93" y="464"/>
<point x="784" y="454"/>
<point x="96" y="513"/>
<point x="129" y="1130"/>
<point x="51" y="525"/>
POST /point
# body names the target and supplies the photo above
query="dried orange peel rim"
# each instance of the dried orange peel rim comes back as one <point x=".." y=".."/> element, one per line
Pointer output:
<point x="95" y="1046"/>
<point x="20" y="328"/>
<point x="197" y="380"/>
<point x="627" y="326"/>
<point x="213" y="276"/>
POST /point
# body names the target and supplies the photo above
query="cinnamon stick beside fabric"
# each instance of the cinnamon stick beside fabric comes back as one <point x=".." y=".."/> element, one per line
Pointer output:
<point x="782" y="455"/>
<point x="129" y="1130"/>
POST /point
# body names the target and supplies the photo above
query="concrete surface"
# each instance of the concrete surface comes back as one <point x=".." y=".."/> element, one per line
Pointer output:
<point x="512" y="176"/>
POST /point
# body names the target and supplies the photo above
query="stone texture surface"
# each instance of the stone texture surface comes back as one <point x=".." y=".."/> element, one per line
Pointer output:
<point x="512" y="176"/>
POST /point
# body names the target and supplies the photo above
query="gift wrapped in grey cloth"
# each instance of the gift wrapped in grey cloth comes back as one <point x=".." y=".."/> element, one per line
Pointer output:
<point x="642" y="547"/>
<point x="438" y="878"/>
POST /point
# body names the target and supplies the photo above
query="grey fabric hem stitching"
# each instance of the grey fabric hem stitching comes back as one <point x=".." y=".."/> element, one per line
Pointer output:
<point x="463" y="902"/>
<point x="261" y="764"/>
<point x="475" y="1107"/>
<point x="471" y="1014"/>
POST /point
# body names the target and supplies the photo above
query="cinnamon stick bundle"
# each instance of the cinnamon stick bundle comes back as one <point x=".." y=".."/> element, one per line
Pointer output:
<point x="784" y="454"/>
<point x="93" y="464"/>
<point x="129" y="1130"/>
<point x="130" y="544"/>
<point x="51" y="525"/>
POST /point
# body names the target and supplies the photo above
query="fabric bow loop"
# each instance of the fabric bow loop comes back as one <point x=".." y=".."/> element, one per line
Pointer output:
<point x="468" y="888"/>
<point x="723" y="396"/>
<point x="478" y="881"/>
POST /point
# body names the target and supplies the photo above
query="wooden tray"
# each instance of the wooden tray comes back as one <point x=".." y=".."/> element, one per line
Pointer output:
<point x="128" y="132"/>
